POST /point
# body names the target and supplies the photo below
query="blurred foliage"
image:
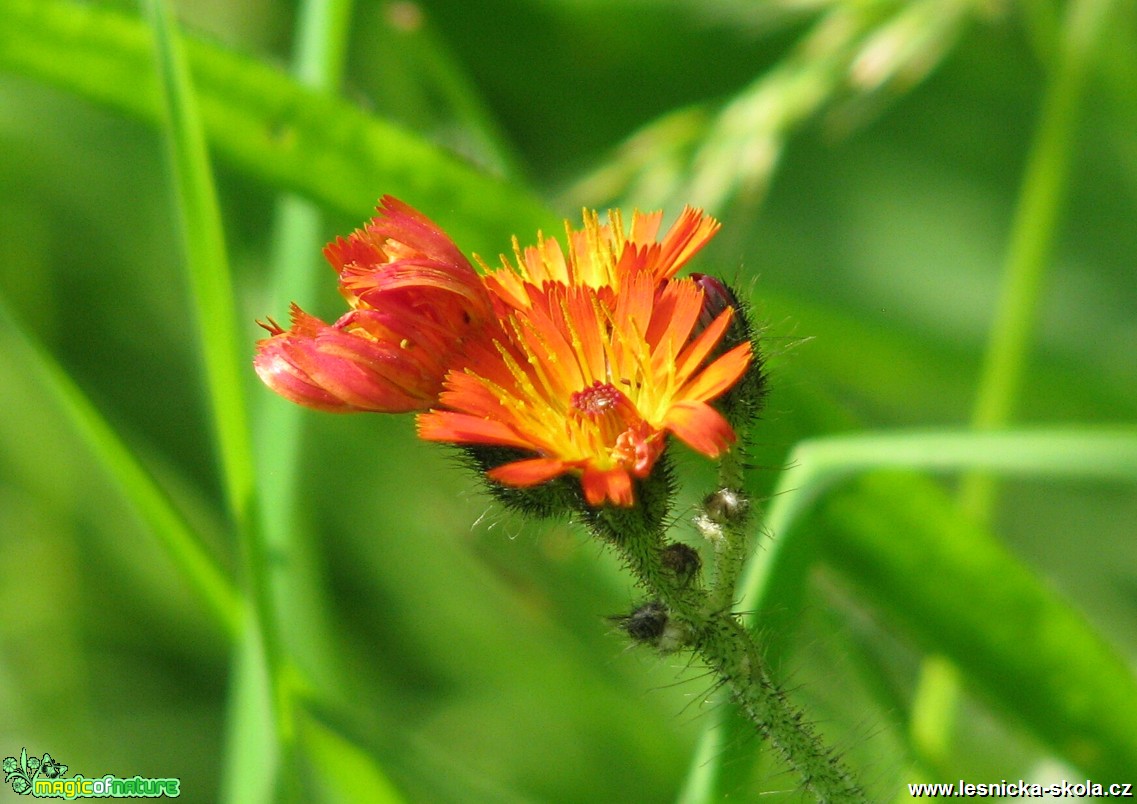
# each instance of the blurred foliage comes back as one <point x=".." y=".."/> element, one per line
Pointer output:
<point x="866" y="160"/>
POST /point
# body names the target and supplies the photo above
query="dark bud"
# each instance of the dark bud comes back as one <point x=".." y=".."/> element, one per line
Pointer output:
<point x="650" y="624"/>
<point x="742" y="403"/>
<point x="646" y="623"/>
<point x="716" y="298"/>
<point x="682" y="561"/>
<point x="726" y="507"/>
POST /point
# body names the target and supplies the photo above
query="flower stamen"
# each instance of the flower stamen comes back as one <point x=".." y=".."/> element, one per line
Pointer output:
<point x="599" y="399"/>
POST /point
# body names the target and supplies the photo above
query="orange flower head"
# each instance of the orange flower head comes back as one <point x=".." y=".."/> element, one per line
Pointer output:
<point x="415" y="300"/>
<point x="590" y="379"/>
<point x="582" y="361"/>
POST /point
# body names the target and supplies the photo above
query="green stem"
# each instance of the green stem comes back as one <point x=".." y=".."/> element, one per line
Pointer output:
<point x="731" y="652"/>
<point x="725" y="521"/>
<point x="1028" y="255"/>
<point x="213" y="297"/>
<point x="1032" y="238"/>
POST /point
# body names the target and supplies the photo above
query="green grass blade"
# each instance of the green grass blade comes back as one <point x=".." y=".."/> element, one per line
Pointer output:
<point x="772" y="586"/>
<point x="321" y="42"/>
<point x="344" y="772"/>
<point x="297" y="265"/>
<point x="208" y="265"/>
<point x="166" y="524"/>
<point x="1108" y="454"/>
<point x="265" y="123"/>
<point x="260" y="724"/>
<point x="944" y="579"/>
<point x="1033" y="233"/>
<point x="253" y="753"/>
<point x="1036" y="219"/>
<point x="300" y="599"/>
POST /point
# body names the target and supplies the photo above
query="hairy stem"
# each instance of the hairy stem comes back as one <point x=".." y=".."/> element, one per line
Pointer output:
<point x="717" y="636"/>
<point x="732" y="653"/>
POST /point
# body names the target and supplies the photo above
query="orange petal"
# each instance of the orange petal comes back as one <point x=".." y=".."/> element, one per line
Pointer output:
<point x="697" y="351"/>
<point x="530" y="472"/>
<point x="445" y="425"/>
<point x="683" y="240"/>
<point x="602" y="485"/>
<point x="720" y="375"/>
<point x="327" y="368"/>
<point x="700" y="427"/>
<point x="645" y="226"/>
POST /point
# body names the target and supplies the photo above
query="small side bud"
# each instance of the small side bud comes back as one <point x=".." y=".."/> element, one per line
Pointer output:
<point x="682" y="561"/>
<point x="745" y="400"/>
<point x="650" y="624"/>
<point x="716" y="298"/>
<point x="646" y="623"/>
<point x="726" y="507"/>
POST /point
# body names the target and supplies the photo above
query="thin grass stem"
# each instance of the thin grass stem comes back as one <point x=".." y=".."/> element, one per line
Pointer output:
<point x="267" y="716"/>
<point x="818" y="466"/>
<point x="1029" y="253"/>
<point x="321" y="40"/>
<point x="154" y="507"/>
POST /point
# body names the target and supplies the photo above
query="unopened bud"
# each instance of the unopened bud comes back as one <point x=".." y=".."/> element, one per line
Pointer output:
<point x="682" y="561"/>
<point x="742" y="403"/>
<point x="726" y="507"/>
<point x="650" y="624"/>
<point x="716" y="298"/>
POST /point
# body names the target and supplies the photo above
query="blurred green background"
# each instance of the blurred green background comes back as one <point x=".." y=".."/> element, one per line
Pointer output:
<point x="867" y="160"/>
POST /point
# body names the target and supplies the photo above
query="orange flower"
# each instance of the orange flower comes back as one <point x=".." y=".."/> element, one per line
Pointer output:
<point x="591" y="380"/>
<point x="583" y="361"/>
<point x="415" y="301"/>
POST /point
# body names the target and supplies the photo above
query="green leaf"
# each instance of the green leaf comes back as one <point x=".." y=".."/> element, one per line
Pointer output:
<point x="903" y="543"/>
<point x="962" y="594"/>
<point x="265" y="123"/>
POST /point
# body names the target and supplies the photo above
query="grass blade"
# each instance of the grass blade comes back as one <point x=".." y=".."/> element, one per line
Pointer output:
<point x="1039" y="659"/>
<point x="261" y="710"/>
<point x="265" y="123"/>
<point x="772" y="586"/>
<point x="300" y="598"/>
<point x="208" y="266"/>
<point x="138" y="487"/>
<point x="321" y="34"/>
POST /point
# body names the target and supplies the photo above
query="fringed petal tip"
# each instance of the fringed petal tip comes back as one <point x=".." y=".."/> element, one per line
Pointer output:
<point x="326" y="367"/>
